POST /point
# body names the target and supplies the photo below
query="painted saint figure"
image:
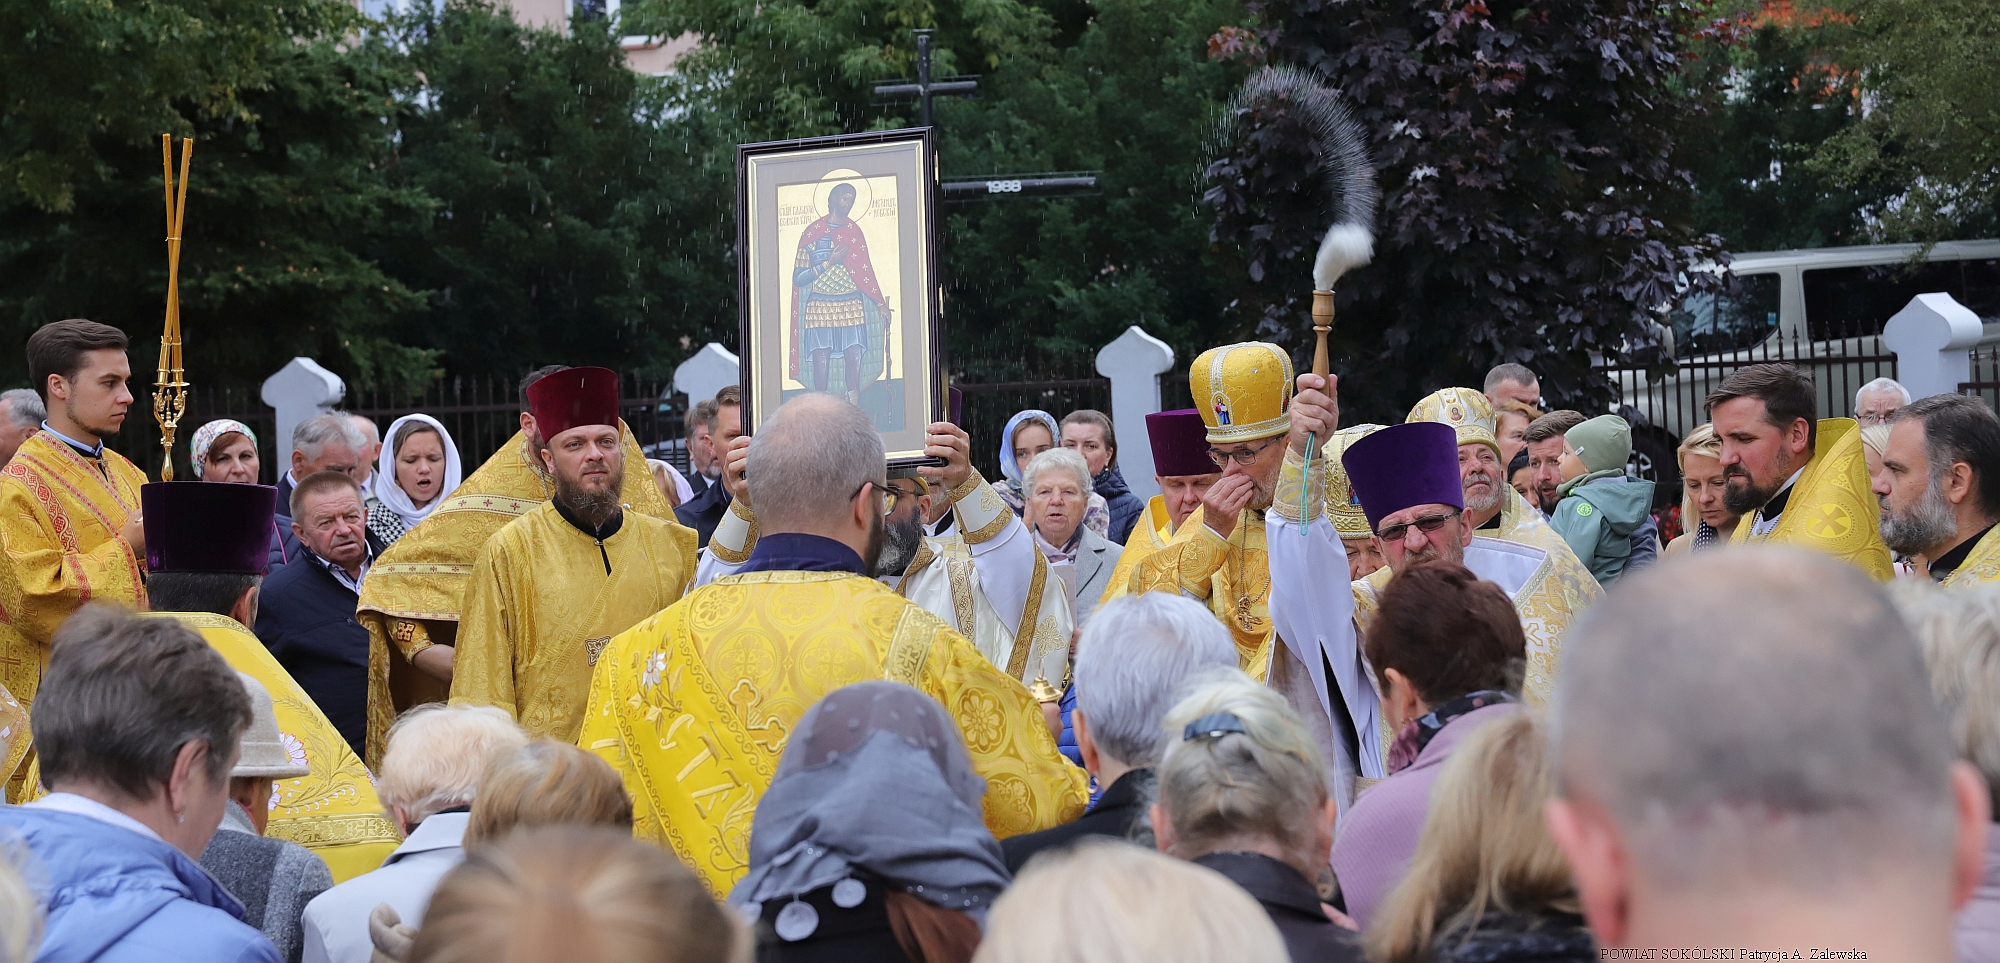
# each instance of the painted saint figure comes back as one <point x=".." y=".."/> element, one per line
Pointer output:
<point x="836" y="300"/>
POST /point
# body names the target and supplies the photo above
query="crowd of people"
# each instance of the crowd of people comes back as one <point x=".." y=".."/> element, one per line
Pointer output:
<point x="1430" y="691"/>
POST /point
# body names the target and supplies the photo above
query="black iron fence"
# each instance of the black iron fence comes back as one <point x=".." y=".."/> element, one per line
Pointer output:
<point x="1674" y="403"/>
<point x="1984" y="375"/>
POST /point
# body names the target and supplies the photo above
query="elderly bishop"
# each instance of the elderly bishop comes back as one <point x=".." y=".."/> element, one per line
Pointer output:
<point x="553" y="586"/>
<point x="1407" y="480"/>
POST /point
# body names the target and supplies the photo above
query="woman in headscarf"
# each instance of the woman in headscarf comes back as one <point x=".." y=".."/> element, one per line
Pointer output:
<point x="417" y="470"/>
<point x="870" y="844"/>
<point x="224" y="451"/>
<point x="1029" y="433"/>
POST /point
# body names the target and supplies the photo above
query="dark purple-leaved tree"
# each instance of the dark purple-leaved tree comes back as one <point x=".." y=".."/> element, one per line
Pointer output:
<point x="1535" y="206"/>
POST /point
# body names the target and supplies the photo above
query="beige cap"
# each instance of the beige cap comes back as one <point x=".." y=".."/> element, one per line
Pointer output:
<point x="264" y="752"/>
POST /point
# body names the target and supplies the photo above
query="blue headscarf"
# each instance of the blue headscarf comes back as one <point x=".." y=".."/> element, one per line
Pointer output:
<point x="1007" y="466"/>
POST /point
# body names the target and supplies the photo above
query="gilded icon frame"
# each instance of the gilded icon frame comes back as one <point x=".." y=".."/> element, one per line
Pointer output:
<point x="826" y="229"/>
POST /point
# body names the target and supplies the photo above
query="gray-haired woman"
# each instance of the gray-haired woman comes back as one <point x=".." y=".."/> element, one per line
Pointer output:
<point x="1058" y="487"/>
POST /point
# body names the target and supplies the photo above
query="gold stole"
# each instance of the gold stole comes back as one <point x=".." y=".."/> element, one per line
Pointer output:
<point x="694" y="705"/>
<point x="332" y="810"/>
<point x="63" y="517"/>
<point x="1232" y="576"/>
<point x="1154" y="531"/>
<point x="410" y="600"/>
<point x="1832" y="508"/>
<point x="1981" y="565"/>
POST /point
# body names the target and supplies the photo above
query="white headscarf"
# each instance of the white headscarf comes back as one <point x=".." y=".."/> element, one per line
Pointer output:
<point x="391" y="495"/>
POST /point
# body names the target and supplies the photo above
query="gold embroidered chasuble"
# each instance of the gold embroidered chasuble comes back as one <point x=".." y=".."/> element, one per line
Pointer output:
<point x="539" y="608"/>
<point x="61" y="514"/>
<point x="1231" y="576"/>
<point x="1154" y="531"/>
<point x="986" y="578"/>
<point x="1981" y="565"/>
<point x="333" y="810"/>
<point x="1832" y="507"/>
<point x="693" y="706"/>
<point x="410" y="599"/>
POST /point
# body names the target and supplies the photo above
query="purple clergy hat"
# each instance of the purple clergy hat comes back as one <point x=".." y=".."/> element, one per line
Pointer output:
<point x="1402" y="466"/>
<point x="1180" y="443"/>
<point x="195" y="526"/>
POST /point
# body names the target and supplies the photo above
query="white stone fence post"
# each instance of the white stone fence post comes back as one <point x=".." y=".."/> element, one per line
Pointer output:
<point x="300" y="390"/>
<point x="1933" y="338"/>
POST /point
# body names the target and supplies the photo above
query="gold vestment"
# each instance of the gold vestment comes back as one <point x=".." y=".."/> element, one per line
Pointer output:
<point x="1981" y="565"/>
<point x="1832" y="507"/>
<point x="693" y="706"/>
<point x="1154" y="531"/>
<point x="332" y="810"/>
<point x="410" y="599"/>
<point x="540" y="607"/>
<point x="1231" y="576"/>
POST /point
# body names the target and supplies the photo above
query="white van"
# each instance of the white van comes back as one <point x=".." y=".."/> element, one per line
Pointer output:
<point x="1822" y="309"/>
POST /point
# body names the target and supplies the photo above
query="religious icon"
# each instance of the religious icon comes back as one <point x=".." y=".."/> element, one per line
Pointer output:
<point x="838" y="274"/>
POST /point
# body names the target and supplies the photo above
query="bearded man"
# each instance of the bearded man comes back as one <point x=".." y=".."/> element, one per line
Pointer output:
<point x="550" y="589"/>
<point x="1939" y="487"/>
<point x="1217" y="556"/>
<point x="1408" y="482"/>
<point x="1794" y="480"/>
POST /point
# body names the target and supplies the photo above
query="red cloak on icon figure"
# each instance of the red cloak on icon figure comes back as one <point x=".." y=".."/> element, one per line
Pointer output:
<point x="838" y="236"/>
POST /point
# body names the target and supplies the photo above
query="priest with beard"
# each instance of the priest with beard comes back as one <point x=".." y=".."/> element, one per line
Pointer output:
<point x="1217" y="555"/>
<point x="552" y="587"/>
<point x="1407" y="480"/>
<point x="1795" y="480"/>
<point x="1939" y="488"/>
<point x="951" y="545"/>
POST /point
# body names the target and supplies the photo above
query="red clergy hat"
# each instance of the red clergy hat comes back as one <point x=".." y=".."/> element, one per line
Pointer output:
<point x="573" y="398"/>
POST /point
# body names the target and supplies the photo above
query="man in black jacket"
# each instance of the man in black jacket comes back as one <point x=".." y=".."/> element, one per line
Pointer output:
<point x="704" y="511"/>
<point x="1131" y="665"/>
<point x="307" y="618"/>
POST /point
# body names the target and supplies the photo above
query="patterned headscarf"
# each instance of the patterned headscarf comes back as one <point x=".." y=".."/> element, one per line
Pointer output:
<point x="206" y="435"/>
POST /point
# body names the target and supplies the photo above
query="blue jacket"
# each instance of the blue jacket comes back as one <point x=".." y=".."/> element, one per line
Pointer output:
<point x="1125" y="507"/>
<point x="118" y="897"/>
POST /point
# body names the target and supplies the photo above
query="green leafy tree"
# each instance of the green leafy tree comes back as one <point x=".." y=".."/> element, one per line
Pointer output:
<point x="1930" y="72"/>
<point x="1776" y="97"/>
<point x="576" y="217"/>
<point x="288" y="184"/>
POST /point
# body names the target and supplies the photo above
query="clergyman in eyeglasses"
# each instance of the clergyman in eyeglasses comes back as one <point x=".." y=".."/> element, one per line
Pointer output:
<point x="1407" y="480"/>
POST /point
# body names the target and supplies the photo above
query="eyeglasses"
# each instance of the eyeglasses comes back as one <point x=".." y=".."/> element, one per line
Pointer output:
<point x="1429" y="524"/>
<point x="1242" y="456"/>
<point x="890" y="494"/>
<point x="1868" y="418"/>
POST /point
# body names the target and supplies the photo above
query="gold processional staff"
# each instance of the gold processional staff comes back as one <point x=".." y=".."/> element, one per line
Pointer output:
<point x="170" y="386"/>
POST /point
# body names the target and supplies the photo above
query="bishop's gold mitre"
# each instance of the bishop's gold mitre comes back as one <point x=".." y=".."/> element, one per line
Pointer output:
<point x="1465" y="410"/>
<point x="1243" y="391"/>
<point x="1342" y="508"/>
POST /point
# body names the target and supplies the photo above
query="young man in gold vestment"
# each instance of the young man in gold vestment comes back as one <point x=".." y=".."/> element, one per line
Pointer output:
<point x="69" y="507"/>
<point x="1795" y="481"/>
<point x="694" y="706"/>
<point x="207" y="550"/>
<point x="1217" y="556"/>
<point x="1184" y="473"/>
<point x="411" y="600"/>
<point x="552" y="587"/>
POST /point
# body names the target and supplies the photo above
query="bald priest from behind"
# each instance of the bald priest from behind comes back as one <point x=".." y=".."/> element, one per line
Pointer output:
<point x="550" y="589"/>
<point x="694" y="706"/>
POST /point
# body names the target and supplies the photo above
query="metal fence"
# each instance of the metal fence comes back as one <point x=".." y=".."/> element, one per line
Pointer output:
<point x="480" y="412"/>
<point x="1675" y="403"/>
<point x="1984" y="363"/>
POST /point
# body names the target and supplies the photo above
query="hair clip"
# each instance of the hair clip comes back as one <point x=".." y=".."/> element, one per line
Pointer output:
<point x="1214" y="724"/>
